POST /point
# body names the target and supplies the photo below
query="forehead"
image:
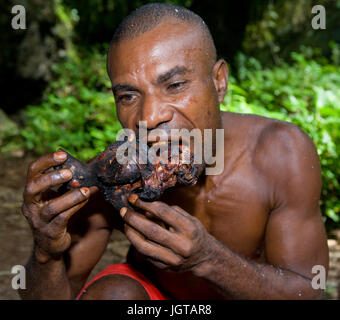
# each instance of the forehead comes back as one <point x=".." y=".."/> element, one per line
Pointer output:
<point x="168" y="45"/>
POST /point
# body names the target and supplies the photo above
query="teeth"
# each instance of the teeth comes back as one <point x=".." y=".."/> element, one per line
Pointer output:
<point x="159" y="143"/>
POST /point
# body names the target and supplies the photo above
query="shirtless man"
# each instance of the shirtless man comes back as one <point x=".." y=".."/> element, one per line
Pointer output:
<point x="253" y="232"/>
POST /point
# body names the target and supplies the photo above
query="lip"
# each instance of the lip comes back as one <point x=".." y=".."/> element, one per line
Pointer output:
<point x="181" y="142"/>
<point x="156" y="138"/>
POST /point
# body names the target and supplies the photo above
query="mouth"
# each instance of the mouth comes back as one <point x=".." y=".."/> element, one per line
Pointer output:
<point x="175" y="150"/>
<point x="175" y="141"/>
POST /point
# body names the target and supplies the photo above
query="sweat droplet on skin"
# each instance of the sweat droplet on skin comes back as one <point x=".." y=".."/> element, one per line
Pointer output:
<point x="279" y="271"/>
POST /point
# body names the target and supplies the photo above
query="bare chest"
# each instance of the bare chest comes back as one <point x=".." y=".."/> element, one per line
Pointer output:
<point x="233" y="208"/>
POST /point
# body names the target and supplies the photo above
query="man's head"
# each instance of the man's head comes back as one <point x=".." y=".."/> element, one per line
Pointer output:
<point x="163" y="68"/>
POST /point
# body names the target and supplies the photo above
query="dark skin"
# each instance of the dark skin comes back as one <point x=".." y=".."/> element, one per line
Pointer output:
<point x="252" y="232"/>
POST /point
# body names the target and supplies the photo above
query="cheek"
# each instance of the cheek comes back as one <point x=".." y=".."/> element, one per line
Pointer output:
<point x="121" y="116"/>
<point x="204" y="103"/>
<point x="126" y="117"/>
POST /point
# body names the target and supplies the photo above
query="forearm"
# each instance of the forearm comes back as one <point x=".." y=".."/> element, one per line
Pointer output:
<point x="240" y="278"/>
<point x="46" y="280"/>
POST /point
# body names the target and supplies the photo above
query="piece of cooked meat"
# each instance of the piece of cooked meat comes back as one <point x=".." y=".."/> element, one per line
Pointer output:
<point x="118" y="181"/>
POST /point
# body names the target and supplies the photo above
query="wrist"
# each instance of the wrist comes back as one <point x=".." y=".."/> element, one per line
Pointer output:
<point x="210" y="252"/>
<point x="43" y="257"/>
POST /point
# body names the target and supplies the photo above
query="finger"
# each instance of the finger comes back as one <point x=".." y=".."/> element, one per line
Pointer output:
<point x="39" y="184"/>
<point x="162" y="211"/>
<point x="61" y="220"/>
<point x="149" y="215"/>
<point x="163" y="266"/>
<point x="148" y="228"/>
<point x="93" y="190"/>
<point x="151" y="249"/>
<point x="152" y="217"/>
<point x="180" y="210"/>
<point x="45" y="162"/>
<point x="158" y="264"/>
<point x="63" y="203"/>
<point x="151" y="230"/>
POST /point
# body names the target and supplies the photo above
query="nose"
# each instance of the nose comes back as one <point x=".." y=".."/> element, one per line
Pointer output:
<point x="154" y="112"/>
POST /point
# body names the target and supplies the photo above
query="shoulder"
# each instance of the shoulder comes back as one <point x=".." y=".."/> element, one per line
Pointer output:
<point x="285" y="133"/>
<point x="287" y="158"/>
<point x="270" y="140"/>
<point x="282" y="145"/>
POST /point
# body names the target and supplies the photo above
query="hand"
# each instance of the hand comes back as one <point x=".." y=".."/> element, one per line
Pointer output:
<point x="48" y="212"/>
<point x="184" y="246"/>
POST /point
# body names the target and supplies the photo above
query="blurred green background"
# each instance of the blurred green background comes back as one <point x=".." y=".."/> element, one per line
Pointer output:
<point x="56" y="92"/>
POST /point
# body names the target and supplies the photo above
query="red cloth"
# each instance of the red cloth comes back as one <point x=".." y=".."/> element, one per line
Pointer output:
<point x="127" y="270"/>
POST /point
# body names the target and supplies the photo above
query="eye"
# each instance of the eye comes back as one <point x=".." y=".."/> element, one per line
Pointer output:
<point x="126" y="98"/>
<point x="176" y="85"/>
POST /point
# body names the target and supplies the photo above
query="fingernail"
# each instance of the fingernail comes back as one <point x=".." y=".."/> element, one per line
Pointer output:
<point x="66" y="173"/>
<point x="123" y="211"/>
<point x="133" y="198"/>
<point x="59" y="155"/>
<point x="84" y="191"/>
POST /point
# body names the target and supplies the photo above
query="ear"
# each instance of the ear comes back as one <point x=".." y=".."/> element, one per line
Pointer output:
<point x="220" y="77"/>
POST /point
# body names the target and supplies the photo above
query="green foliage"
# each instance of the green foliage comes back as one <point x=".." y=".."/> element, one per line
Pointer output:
<point x="10" y="140"/>
<point x="64" y="29"/>
<point x="305" y="92"/>
<point x="280" y="27"/>
<point x="77" y="112"/>
<point x="99" y="18"/>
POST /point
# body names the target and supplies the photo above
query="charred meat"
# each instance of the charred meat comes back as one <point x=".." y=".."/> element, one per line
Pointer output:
<point x="118" y="181"/>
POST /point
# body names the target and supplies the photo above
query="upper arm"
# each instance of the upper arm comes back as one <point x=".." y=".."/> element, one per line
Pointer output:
<point x="295" y="237"/>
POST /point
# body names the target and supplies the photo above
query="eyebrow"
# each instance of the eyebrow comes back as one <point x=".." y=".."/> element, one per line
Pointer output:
<point x="123" y="87"/>
<point x="169" y="74"/>
<point x="160" y="79"/>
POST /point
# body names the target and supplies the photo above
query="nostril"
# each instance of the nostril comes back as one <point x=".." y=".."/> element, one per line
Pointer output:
<point x="142" y="124"/>
<point x="155" y="114"/>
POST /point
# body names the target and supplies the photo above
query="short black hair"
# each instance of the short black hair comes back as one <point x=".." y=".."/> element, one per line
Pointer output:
<point x="150" y="15"/>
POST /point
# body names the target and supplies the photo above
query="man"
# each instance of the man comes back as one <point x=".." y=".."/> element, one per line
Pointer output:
<point x="252" y="232"/>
